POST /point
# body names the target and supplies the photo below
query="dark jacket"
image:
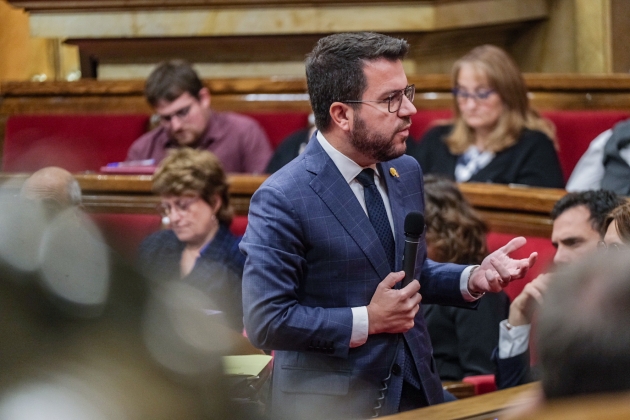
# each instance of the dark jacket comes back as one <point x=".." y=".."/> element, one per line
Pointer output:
<point x="531" y="161"/>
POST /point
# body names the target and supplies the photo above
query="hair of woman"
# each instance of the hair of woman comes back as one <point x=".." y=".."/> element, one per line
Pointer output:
<point x="186" y="171"/>
<point x="504" y="77"/>
<point x="455" y="231"/>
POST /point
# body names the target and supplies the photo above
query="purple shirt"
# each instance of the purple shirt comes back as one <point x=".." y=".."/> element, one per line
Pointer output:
<point x="237" y="140"/>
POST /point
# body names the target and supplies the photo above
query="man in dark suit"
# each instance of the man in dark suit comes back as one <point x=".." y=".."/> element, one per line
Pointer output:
<point x="578" y="225"/>
<point x="324" y="244"/>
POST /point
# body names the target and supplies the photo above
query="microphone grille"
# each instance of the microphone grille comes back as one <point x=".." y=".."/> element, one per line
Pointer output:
<point x="414" y="223"/>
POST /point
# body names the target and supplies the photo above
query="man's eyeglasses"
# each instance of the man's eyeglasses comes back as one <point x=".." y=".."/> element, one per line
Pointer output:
<point x="394" y="101"/>
<point x="603" y="247"/>
<point x="182" y="205"/>
<point x="479" y="95"/>
<point x="180" y="114"/>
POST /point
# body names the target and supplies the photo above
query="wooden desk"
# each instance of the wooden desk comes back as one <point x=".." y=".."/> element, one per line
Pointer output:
<point x="516" y="210"/>
<point x="487" y="406"/>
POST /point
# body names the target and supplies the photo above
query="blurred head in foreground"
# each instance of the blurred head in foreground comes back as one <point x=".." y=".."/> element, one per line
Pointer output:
<point x="582" y="334"/>
<point x="54" y="187"/>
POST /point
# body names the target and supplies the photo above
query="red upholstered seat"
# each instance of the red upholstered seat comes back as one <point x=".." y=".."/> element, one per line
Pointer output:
<point x="425" y="119"/>
<point x="238" y="226"/>
<point x="576" y="129"/>
<point x="482" y="383"/>
<point x="543" y="246"/>
<point x="75" y="142"/>
<point x="279" y="125"/>
<point x="124" y="232"/>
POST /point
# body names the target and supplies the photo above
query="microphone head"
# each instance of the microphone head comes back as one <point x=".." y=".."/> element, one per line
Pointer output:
<point x="414" y="223"/>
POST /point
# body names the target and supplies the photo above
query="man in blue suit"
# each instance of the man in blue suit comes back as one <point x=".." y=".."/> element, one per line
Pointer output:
<point x="321" y="279"/>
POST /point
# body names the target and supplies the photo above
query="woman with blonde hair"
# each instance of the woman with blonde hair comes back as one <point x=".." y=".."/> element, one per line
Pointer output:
<point x="199" y="248"/>
<point x="495" y="135"/>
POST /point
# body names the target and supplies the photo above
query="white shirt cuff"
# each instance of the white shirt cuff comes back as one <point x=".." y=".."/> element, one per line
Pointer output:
<point x="514" y="341"/>
<point x="360" y="326"/>
<point x="463" y="285"/>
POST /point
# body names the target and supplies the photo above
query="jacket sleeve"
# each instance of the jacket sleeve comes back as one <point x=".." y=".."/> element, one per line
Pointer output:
<point x="512" y="371"/>
<point x="275" y="265"/>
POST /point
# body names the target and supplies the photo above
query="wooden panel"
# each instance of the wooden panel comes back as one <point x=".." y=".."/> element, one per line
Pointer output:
<point x="519" y="211"/>
<point x="91" y="5"/>
<point x="490" y="403"/>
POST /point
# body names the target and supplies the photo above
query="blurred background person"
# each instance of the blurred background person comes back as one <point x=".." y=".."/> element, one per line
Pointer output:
<point x="292" y="146"/>
<point x="495" y="136"/>
<point x="182" y="104"/>
<point x="579" y="224"/>
<point x="462" y="339"/>
<point x="198" y="248"/>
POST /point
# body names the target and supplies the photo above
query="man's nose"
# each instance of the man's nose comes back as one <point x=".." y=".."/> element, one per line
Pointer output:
<point x="407" y="108"/>
<point x="562" y="256"/>
<point x="176" y="123"/>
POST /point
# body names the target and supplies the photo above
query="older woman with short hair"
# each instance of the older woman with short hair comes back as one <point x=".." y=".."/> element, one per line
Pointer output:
<point x="198" y="248"/>
<point x="495" y="135"/>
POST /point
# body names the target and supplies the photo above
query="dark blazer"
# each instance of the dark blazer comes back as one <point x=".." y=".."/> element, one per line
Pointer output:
<point x="217" y="272"/>
<point x="531" y="161"/>
<point x="312" y="255"/>
<point x="463" y="340"/>
<point x="513" y="371"/>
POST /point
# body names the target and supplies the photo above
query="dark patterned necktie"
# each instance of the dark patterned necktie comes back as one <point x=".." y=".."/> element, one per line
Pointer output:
<point x="377" y="214"/>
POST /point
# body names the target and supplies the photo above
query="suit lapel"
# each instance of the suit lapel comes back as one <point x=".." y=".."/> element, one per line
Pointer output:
<point x="337" y="195"/>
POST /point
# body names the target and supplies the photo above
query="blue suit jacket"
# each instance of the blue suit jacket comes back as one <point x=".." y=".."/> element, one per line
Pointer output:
<point x="311" y="255"/>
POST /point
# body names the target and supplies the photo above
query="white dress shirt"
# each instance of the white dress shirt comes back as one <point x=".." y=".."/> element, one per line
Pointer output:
<point x="589" y="171"/>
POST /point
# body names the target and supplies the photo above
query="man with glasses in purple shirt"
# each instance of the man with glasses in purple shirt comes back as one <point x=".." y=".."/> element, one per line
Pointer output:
<point x="182" y="104"/>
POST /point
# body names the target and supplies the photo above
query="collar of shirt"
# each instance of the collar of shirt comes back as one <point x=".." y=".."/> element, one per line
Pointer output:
<point x="349" y="169"/>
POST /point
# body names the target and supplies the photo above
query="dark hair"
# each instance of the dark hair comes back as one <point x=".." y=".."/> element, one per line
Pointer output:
<point x="455" y="231"/>
<point x="599" y="204"/>
<point x="621" y="215"/>
<point x="334" y="69"/>
<point x="189" y="171"/>
<point x="170" y="80"/>
<point x="582" y="334"/>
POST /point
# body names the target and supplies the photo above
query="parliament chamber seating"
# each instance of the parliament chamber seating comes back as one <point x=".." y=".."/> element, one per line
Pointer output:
<point x="87" y="142"/>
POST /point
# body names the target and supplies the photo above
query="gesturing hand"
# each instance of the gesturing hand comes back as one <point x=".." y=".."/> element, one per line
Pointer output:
<point x="497" y="270"/>
<point x="393" y="310"/>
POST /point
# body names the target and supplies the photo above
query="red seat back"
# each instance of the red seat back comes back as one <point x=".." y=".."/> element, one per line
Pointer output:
<point x="279" y="125"/>
<point x="543" y="246"/>
<point x="74" y="142"/>
<point x="124" y="232"/>
<point x="576" y="129"/>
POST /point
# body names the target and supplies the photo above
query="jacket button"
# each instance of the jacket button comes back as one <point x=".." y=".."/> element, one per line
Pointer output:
<point x="396" y="369"/>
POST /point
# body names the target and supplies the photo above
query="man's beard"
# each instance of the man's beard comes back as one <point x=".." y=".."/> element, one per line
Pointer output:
<point x="374" y="145"/>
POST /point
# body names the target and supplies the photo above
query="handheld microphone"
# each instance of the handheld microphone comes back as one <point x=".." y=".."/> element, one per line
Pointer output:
<point x="414" y="227"/>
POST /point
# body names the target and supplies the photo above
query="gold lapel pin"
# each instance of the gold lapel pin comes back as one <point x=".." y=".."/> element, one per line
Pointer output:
<point x="393" y="172"/>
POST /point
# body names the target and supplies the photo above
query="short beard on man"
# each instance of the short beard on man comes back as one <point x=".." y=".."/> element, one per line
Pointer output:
<point x="374" y="145"/>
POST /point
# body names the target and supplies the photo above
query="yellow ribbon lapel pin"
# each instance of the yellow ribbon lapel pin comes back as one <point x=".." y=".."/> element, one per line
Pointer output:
<point x="393" y="172"/>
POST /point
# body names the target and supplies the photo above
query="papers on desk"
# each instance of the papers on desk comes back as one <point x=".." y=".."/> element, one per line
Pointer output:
<point x="245" y="365"/>
<point x="146" y="166"/>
